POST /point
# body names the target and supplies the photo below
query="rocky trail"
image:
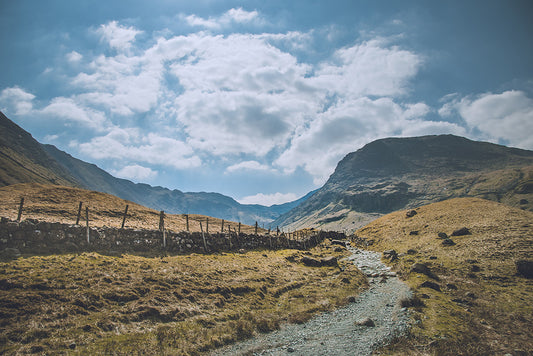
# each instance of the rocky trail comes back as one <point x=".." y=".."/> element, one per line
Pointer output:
<point x="373" y="320"/>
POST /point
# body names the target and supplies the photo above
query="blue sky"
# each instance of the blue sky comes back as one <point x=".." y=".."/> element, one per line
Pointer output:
<point x="259" y="100"/>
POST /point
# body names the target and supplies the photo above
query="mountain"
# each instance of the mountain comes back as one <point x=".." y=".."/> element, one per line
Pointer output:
<point x="401" y="173"/>
<point x="24" y="160"/>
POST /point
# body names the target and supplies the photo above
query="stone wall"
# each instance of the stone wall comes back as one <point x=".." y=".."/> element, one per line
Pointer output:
<point x="35" y="237"/>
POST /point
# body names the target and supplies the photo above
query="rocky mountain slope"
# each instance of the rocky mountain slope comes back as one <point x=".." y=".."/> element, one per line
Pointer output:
<point x="398" y="173"/>
<point x="24" y="160"/>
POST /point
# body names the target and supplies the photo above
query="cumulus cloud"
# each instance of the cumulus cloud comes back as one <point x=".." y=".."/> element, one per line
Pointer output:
<point x="135" y="172"/>
<point x="16" y="100"/>
<point x="135" y="146"/>
<point x="507" y="116"/>
<point x="268" y="199"/>
<point x="117" y="36"/>
<point x="230" y="17"/>
<point x="69" y="110"/>
<point x="226" y="96"/>
<point x="74" y="56"/>
<point x="248" y="166"/>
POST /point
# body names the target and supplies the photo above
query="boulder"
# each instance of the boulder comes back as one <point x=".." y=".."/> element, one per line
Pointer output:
<point x="432" y="285"/>
<point x="410" y="213"/>
<point x="366" y="322"/>
<point x="422" y="268"/>
<point x="329" y="261"/>
<point x="524" y="268"/>
<point x="461" y="232"/>
<point x="442" y="235"/>
<point x="448" y="242"/>
<point x="391" y="255"/>
<point x="413" y="233"/>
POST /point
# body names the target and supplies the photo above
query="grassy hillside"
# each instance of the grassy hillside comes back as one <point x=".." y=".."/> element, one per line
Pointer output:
<point x="90" y="304"/>
<point x="483" y="306"/>
<point x="60" y="204"/>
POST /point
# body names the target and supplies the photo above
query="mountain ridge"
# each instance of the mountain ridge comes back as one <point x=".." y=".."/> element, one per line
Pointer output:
<point x="24" y="160"/>
<point x="398" y="173"/>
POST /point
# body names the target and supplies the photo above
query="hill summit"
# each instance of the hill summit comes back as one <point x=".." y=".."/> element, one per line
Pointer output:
<point x="397" y="173"/>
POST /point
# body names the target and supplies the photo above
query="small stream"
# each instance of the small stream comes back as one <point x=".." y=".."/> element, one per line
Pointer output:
<point x="338" y="332"/>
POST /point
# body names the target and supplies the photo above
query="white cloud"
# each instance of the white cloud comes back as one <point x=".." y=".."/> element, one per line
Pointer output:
<point x="507" y="116"/>
<point x="248" y="166"/>
<point x="369" y="68"/>
<point x="68" y="109"/>
<point x="268" y="199"/>
<point x="135" y="172"/>
<point x="134" y="146"/>
<point x="17" y="100"/>
<point x="230" y="17"/>
<point x="74" y="56"/>
<point x="117" y="36"/>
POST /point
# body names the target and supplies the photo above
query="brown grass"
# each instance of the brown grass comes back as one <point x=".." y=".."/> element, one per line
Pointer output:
<point x="94" y="304"/>
<point x="60" y="204"/>
<point x="491" y="309"/>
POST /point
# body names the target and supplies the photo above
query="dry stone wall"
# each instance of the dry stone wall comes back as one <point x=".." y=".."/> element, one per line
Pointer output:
<point x="36" y="237"/>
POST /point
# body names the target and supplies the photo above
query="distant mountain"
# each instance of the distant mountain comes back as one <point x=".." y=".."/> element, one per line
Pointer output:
<point x="401" y="173"/>
<point x="24" y="160"/>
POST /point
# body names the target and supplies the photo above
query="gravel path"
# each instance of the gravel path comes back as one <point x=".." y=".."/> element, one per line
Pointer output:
<point x="339" y="332"/>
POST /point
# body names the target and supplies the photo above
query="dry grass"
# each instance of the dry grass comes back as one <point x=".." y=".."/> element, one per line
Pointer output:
<point x="60" y="204"/>
<point x="94" y="304"/>
<point x="491" y="309"/>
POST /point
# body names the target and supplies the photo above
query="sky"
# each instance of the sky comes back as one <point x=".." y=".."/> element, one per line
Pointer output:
<point x="260" y="100"/>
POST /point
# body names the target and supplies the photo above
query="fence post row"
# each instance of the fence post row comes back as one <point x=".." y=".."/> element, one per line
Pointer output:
<point x="162" y="227"/>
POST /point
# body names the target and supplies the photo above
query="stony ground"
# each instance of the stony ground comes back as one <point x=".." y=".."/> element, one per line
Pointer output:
<point x="345" y="331"/>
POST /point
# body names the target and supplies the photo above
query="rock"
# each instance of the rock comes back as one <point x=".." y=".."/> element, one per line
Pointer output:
<point x="422" y="268"/>
<point x="329" y="261"/>
<point x="470" y="295"/>
<point x="411" y="252"/>
<point x="338" y="249"/>
<point x="413" y="233"/>
<point x="410" y="213"/>
<point x="391" y="255"/>
<point x="351" y="299"/>
<point x="451" y="286"/>
<point x="448" y="242"/>
<point x="432" y="257"/>
<point x="461" y="232"/>
<point x="338" y="242"/>
<point x="72" y="345"/>
<point x="290" y="349"/>
<point x="366" y="322"/>
<point x="432" y="285"/>
<point x="442" y="235"/>
<point x="524" y="268"/>
<point x="475" y="268"/>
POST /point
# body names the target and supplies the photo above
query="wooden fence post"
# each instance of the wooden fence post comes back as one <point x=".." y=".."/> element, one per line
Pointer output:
<point x="79" y="214"/>
<point x="87" y="223"/>
<point x="124" y="218"/>
<point x="222" y="228"/>
<point x="239" y="228"/>
<point x="207" y="226"/>
<point x="187" y="221"/>
<point x="19" y="216"/>
<point x="203" y="237"/>
<point x="256" y="228"/>
<point x="162" y="227"/>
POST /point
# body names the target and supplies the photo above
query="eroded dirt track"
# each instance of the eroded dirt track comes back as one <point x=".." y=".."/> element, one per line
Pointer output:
<point x="339" y="332"/>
